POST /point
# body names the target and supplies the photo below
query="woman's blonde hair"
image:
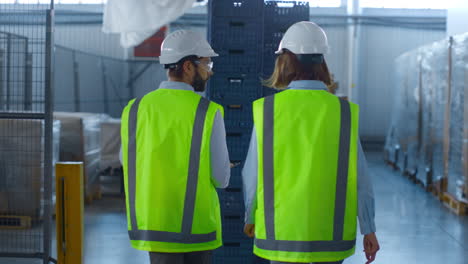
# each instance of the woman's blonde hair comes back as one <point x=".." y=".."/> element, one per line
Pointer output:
<point x="288" y="68"/>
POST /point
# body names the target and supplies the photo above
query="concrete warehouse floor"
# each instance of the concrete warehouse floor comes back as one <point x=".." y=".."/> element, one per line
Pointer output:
<point x="412" y="226"/>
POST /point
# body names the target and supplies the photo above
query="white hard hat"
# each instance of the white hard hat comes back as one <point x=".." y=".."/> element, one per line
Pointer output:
<point x="183" y="43"/>
<point x="304" y="38"/>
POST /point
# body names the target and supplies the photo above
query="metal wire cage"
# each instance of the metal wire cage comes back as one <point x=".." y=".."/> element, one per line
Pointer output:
<point x="26" y="41"/>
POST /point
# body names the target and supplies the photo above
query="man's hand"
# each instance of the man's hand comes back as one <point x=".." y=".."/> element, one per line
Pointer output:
<point x="249" y="230"/>
<point x="371" y="246"/>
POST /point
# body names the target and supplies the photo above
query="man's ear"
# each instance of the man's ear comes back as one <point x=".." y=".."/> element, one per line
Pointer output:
<point x="188" y="66"/>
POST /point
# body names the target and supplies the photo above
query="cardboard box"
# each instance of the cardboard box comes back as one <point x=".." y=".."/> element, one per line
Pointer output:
<point x="110" y="144"/>
<point x="80" y="141"/>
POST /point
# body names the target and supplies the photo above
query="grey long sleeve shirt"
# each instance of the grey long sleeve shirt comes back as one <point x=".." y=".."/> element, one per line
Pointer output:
<point x="220" y="163"/>
<point x="366" y="207"/>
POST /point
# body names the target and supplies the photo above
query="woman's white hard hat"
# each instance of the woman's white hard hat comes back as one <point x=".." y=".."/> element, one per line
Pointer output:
<point x="304" y="38"/>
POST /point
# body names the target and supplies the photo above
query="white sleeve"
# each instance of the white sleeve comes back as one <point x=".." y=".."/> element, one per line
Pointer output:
<point x="220" y="163"/>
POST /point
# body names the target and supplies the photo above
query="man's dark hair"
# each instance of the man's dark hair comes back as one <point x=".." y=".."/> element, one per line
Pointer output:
<point x="176" y="70"/>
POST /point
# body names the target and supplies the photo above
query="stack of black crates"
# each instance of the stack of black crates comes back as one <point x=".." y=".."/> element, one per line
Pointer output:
<point x="245" y="34"/>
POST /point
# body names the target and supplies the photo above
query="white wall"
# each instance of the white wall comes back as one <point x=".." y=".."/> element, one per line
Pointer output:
<point x="91" y="39"/>
<point x="457" y="21"/>
<point x="378" y="47"/>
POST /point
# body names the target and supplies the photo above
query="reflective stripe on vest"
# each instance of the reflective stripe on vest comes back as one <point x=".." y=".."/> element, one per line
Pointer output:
<point x="185" y="235"/>
<point x="337" y="244"/>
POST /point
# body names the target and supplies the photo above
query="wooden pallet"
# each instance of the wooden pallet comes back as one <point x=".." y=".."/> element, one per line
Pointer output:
<point x="15" y="222"/>
<point x="437" y="193"/>
<point x="426" y="187"/>
<point x="438" y="188"/>
<point x="456" y="206"/>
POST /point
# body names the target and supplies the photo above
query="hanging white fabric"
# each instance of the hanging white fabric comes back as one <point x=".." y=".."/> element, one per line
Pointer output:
<point x="135" y="21"/>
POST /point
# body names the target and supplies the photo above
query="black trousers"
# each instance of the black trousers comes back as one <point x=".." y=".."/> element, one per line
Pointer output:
<point x="337" y="262"/>
<point x="199" y="257"/>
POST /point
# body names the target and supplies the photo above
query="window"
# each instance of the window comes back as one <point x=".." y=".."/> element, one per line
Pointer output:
<point x="80" y="1"/>
<point x="421" y="4"/>
<point x="312" y="3"/>
<point x="32" y="1"/>
<point x="324" y="3"/>
<point x="56" y="1"/>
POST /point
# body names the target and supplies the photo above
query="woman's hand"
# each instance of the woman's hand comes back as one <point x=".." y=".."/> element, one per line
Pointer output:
<point x="249" y="230"/>
<point x="371" y="246"/>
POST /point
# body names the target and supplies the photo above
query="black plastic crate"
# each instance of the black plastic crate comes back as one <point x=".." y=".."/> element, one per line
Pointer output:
<point x="239" y="111"/>
<point x="248" y="96"/>
<point x="236" y="8"/>
<point x="234" y="124"/>
<point x="236" y="32"/>
<point x="279" y="13"/>
<point x="240" y="60"/>
<point x="269" y="66"/>
<point x="233" y="248"/>
<point x="268" y="91"/>
<point x="271" y="42"/>
<point x="235" y="181"/>
<point x="236" y="153"/>
<point x="236" y="175"/>
<point x="231" y="200"/>
<point x="279" y="16"/>
<point x="259" y="260"/>
<point x="238" y="144"/>
<point x="233" y="226"/>
<point x="234" y="87"/>
<point x="238" y="116"/>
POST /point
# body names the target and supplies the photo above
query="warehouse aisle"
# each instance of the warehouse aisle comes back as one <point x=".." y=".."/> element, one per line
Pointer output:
<point x="412" y="227"/>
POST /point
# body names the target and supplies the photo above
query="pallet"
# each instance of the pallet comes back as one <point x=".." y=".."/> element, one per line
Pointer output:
<point x="438" y="189"/>
<point x="15" y="222"/>
<point x="436" y="192"/>
<point x="426" y="187"/>
<point x="456" y="206"/>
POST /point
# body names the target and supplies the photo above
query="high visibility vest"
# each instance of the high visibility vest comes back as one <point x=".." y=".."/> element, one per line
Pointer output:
<point x="172" y="205"/>
<point x="307" y="183"/>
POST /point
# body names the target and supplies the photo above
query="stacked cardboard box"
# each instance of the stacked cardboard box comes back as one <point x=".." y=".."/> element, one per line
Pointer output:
<point x="22" y="165"/>
<point x="110" y="144"/>
<point x="437" y="97"/>
<point x="80" y="141"/>
<point x="456" y="172"/>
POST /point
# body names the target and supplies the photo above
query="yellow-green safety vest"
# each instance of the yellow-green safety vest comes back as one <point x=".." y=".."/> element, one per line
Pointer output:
<point x="307" y="177"/>
<point x="172" y="205"/>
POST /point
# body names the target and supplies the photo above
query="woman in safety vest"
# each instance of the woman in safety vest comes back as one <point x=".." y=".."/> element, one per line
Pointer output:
<point x="305" y="178"/>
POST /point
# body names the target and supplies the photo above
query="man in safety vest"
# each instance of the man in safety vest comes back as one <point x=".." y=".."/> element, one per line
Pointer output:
<point x="174" y="155"/>
<point x="305" y="172"/>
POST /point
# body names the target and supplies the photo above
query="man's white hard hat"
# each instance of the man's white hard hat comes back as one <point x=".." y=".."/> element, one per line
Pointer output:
<point x="183" y="43"/>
